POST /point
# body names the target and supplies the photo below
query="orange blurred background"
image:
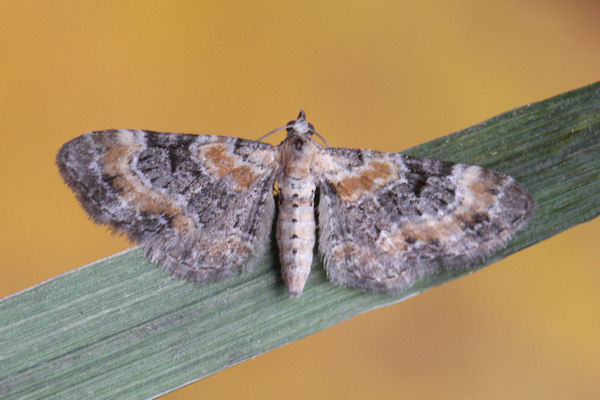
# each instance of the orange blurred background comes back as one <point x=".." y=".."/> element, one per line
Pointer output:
<point x="382" y="75"/>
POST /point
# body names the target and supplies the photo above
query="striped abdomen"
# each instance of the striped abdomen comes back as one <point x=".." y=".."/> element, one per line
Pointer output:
<point x="296" y="230"/>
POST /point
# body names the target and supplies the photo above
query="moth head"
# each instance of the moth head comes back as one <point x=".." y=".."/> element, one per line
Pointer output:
<point x="300" y="126"/>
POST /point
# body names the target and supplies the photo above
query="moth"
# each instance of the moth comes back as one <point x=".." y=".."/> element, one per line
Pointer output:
<point x="202" y="206"/>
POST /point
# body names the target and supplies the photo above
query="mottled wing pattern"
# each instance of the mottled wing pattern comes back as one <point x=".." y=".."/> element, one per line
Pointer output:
<point x="387" y="220"/>
<point x="201" y="206"/>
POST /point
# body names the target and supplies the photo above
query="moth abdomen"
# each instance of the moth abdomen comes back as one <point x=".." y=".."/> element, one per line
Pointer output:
<point x="296" y="232"/>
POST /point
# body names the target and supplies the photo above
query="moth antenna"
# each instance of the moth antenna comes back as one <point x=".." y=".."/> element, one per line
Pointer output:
<point x="322" y="138"/>
<point x="270" y="133"/>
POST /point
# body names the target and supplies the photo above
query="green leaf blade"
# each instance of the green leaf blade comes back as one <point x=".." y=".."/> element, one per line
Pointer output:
<point x="122" y="328"/>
